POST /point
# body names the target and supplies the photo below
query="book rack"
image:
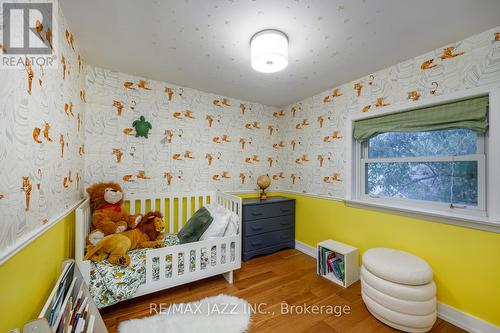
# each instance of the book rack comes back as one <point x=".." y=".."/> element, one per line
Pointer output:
<point x="338" y="262"/>
<point x="41" y="324"/>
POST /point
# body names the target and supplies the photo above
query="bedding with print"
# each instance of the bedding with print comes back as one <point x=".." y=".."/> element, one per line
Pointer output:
<point x="110" y="284"/>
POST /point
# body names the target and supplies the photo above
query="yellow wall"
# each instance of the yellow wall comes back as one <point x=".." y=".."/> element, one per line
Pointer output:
<point x="466" y="262"/>
<point x="27" y="278"/>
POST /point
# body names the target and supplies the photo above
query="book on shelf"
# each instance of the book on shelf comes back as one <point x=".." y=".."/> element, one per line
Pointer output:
<point x="66" y="316"/>
<point x="85" y="315"/>
<point x="334" y="265"/>
<point x="61" y="292"/>
<point x="70" y="309"/>
<point x="78" y="316"/>
<point x="60" y="312"/>
<point x="325" y="254"/>
<point x="331" y="262"/>
<point x="329" y="257"/>
<point x="90" y="325"/>
<point x="79" y="326"/>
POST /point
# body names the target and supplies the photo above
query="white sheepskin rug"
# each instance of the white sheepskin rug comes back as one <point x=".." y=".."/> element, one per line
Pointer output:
<point x="222" y="313"/>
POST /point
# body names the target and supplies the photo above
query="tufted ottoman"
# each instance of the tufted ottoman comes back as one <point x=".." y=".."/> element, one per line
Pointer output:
<point x="398" y="289"/>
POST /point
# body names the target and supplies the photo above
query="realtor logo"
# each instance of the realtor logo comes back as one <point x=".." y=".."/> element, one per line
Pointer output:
<point x="28" y="33"/>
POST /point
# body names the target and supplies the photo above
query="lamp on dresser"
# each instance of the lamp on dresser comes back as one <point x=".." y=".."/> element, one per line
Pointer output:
<point x="268" y="225"/>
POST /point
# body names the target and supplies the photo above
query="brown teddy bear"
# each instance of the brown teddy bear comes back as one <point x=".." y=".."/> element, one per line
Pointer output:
<point x="108" y="216"/>
<point x="149" y="233"/>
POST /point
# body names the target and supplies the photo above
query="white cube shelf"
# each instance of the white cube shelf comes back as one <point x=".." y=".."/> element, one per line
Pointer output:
<point x="350" y="255"/>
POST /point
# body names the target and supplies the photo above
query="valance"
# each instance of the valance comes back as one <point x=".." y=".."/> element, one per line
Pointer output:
<point x="470" y="113"/>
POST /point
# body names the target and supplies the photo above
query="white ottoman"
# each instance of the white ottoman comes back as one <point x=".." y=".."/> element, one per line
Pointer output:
<point x="398" y="290"/>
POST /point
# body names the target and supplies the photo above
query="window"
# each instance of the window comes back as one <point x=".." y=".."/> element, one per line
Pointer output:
<point x="435" y="159"/>
<point x="443" y="169"/>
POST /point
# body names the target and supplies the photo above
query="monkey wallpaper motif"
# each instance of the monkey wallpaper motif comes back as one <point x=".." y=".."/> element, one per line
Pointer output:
<point x="317" y="151"/>
<point x="41" y="137"/>
<point x="198" y="141"/>
<point x="64" y="129"/>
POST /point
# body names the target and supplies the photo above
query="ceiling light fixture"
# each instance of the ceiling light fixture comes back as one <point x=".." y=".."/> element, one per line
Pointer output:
<point x="269" y="51"/>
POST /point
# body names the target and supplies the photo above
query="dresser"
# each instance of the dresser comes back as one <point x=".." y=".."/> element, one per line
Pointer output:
<point x="268" y="225"/>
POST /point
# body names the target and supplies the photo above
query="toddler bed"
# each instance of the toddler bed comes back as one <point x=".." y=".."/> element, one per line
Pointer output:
<point x="152" y="270"/>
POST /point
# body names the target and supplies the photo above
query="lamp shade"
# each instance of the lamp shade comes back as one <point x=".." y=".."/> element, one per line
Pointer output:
<point x="269" y="51"/>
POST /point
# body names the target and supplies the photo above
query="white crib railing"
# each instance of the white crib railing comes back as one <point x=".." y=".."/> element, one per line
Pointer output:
<point x="176" y="208"/>
<point x="223" y="255"/>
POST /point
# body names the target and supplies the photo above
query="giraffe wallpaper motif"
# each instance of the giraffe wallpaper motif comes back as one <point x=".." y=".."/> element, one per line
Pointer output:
<point x="64" y="129"/>
<point x="41" y="140"/>
<point x="313" y="130"/>
<point x="198" y="141"/>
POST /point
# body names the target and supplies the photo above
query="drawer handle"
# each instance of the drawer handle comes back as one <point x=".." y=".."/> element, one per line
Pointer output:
<point x="257" y="228"/>
<point x="285" y="210"/>
<point x="256" y="243"/>
<point x="284" y="236"/>
<point x="257" y="214"/>
<point x="285" y="223"/>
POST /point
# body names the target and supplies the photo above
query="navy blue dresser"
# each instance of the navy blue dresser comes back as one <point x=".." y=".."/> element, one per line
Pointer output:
<point x="268" y="225"/>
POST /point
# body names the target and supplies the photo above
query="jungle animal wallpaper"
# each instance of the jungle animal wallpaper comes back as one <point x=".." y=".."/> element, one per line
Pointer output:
<point x="41" y="140"/>
<point x="195" y="140"/>
<point x="201" y="141"/>
<point x="313" y="130"/>
<point x="64" y="129"/>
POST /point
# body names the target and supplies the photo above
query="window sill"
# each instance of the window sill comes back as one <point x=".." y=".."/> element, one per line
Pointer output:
<point x="463" y="220"/>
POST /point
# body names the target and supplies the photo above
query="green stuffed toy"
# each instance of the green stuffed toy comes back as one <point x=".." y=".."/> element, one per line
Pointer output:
<point x="142" y="127"/>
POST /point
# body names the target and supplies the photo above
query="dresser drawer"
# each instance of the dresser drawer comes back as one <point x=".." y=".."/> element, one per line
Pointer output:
<point x="254" y="212"/>
<point x="267" y="225"/>
<point x="264" y="240"/>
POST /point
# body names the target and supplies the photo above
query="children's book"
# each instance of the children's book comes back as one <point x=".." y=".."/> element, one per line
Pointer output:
<point x="335" y="266"/>
<point x="61" y="308"/>
<point x="79" y="325"/>
<point x="330" y="257"/>
<point x="342" y="268"/>
<point x="66" y="316"/>
<point x="78" y="314"/>
<point x="62" y="288"/>
<point x="324" y="265"/>
<point x="90" y="325"/>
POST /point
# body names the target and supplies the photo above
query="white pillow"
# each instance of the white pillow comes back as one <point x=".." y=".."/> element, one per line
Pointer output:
<point x="232" y="226"/>
<point x="219" y="224"/>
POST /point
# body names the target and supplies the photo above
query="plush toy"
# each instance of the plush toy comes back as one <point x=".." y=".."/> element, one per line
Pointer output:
<point x="142" y="127"/>
<point x="149" y="233"/>
<point x="108" y="215"/>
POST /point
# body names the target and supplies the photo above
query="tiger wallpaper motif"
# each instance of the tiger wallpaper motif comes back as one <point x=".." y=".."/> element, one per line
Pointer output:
<point x="64" y="129"/>
<point x="41" y="111"/>
<point x="472" y="62"/>
<point x="198" y="141"/>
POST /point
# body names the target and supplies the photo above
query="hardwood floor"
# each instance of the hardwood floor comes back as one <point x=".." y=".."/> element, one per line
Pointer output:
<point x="288" y="276"/>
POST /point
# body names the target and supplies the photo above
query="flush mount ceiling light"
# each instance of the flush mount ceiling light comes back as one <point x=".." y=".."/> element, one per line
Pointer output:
<point x="269" y="51"/>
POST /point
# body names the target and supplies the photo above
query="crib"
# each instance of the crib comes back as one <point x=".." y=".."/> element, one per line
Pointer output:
<point x="176" y="209"/>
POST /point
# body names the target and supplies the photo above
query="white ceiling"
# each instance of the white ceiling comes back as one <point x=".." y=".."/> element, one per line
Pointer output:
<point x="204" y="44"/>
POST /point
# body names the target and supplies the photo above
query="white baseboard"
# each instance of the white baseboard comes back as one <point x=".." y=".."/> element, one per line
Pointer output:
<point x="306" y="249"/>
<point x="452" y="315"/>
<point x="464" y="320"/>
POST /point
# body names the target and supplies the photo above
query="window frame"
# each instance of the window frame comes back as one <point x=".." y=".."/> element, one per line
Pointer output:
<point x="487" y="219"/>
<point x="480" y="157"/>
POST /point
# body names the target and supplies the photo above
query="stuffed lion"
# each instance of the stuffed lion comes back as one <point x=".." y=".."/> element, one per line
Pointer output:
<point x="149" y="233"/>
<point x="108" y="216"/>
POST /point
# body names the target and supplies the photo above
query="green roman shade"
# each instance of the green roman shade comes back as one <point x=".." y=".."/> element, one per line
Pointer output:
<point x="471" y="114"/>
